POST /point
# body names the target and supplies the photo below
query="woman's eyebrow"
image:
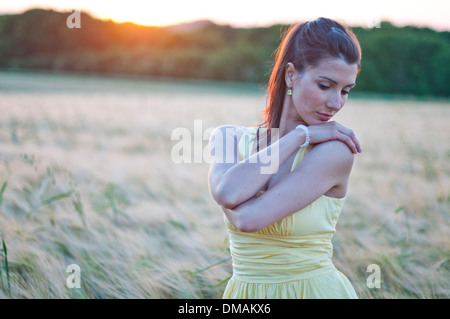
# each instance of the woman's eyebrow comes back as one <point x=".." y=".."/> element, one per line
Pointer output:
<point x="331" y="80"/>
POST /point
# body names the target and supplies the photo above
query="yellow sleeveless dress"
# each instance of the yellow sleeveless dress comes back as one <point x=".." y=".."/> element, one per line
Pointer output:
<point x="290" y="258"/>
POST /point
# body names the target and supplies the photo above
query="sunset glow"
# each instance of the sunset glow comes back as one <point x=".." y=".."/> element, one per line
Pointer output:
<point x="432" y="13"/>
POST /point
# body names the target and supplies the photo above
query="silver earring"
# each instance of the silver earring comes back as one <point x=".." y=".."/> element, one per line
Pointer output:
<point x="289" y="92"/>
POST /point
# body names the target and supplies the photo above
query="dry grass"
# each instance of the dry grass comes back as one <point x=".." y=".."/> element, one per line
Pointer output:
<point x="89" y="180"/>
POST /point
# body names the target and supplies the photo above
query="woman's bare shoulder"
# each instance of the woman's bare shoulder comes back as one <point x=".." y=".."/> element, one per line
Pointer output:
<point x="334" y="153"/>
<point x="335" y="146"/>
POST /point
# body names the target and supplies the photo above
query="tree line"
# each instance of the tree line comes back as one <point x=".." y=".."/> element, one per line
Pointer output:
<point x="397" y="60"/>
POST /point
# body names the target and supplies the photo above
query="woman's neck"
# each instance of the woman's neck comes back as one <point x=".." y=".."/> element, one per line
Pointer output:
<point x="289" y="119"/>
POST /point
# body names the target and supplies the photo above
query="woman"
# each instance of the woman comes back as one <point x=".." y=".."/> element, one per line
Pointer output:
<point x="281" y="221"/>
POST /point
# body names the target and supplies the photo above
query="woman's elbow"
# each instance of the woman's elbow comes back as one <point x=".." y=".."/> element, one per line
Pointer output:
<point x="240" y="220"/>
<point x="246" y="227"/>
<point x="225" y="198"/>
<point x="244" y="223"/>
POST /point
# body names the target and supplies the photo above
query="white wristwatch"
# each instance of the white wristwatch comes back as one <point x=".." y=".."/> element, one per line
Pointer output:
<point x="304" y="128"/>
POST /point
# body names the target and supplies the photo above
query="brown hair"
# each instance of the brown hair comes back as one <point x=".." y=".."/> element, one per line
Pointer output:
<point x="306" y="45"/>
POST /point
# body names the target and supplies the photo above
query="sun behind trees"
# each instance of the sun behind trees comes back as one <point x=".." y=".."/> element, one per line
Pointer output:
<point x="396" y="60"/>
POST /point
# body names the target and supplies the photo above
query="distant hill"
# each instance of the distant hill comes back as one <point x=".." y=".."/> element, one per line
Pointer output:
<point x="404" y="60"/>
<point x="190" y="26"/>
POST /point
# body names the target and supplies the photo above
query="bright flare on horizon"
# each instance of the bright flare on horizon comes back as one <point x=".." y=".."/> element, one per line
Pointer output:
<point x="432" y="13"/>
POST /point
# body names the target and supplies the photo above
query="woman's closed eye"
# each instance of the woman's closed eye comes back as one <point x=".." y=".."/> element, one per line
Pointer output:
<point x="323" y="86"/>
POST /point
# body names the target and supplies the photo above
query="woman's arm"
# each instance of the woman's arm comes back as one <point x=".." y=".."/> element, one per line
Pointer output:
<point x="324" y="167"/>
<point x="233" y="182"/>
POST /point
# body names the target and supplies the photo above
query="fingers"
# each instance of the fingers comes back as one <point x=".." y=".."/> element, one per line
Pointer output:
<point x="350" y="142"/>
<point x="357" y="144"/>
<point x="348" y="136"/>
<point x="335" y="131"/>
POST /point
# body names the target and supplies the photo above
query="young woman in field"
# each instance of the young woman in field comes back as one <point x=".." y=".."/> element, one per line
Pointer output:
<point x="281" y="220"/>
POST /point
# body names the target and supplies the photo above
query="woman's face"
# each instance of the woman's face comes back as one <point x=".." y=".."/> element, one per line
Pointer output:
<point x="318" y="93"/>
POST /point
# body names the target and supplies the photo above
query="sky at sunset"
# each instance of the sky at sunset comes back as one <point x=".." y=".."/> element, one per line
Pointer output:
<point x="431" y="13"/>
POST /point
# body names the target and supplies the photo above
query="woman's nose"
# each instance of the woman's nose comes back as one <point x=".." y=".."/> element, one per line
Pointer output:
<point x="334" y="101"/>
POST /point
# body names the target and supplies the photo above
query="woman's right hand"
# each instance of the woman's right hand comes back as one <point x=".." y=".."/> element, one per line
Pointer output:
<point x="332" y="131"/>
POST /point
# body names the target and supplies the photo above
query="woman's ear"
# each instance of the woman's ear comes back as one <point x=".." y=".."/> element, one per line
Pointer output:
<point x="289" y="74"/>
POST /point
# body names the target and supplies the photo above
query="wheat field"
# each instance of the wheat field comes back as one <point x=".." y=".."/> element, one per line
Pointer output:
<point x="87" y="179"/>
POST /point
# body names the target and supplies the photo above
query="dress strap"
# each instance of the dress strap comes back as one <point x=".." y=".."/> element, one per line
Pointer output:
<point x="268" y="138"/>
<point x="299" y="156"/>
<point x="257" y="140"/>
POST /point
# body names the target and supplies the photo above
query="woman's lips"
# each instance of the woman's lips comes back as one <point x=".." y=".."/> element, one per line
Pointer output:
<point x="324" y="116"/>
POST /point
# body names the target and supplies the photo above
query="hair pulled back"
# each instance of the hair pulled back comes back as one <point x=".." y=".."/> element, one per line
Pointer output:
<point x="307" y="45"/>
